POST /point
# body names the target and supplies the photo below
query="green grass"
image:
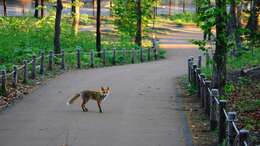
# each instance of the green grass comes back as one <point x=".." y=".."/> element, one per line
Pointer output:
<point x="183" y="18"/>
<point x="246" y="60"/>
<point x="21" y="37"/>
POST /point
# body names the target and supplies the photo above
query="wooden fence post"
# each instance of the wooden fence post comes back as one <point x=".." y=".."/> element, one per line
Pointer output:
<point x="91" y="58"/>
<point x="42" y="63"/>
<point x="149" y="54"/>
<point x="133" y="56"/>
<point x="199" y="61"/>
<point x="243" y="136"/>
<point x="33" y="67"/>
<point x="124" y="56"/>
<point x="25" y="71"/>
<point x="15" y="77"/>
<point x="155" y="53"/>
<point x="189" y="69"/>
<point x="62" y="60"/>
<point x="202" y="78"/>
<point x="190" y="62"/>
<point x="198" y="81"/>
<point x="141" y="55"/>
<point x="104" y="57"/>
<point x="207" y="97"/>
<point x="114" y="57"/>
<point x="222" y="120"/>
<point x="231" y="131"/>
<point x="194" y="73"/>
<point x="213" y="118"/>
<point x="78" y="58"/>
<point x="50" y="65"/>
<point x="3" y="87"/>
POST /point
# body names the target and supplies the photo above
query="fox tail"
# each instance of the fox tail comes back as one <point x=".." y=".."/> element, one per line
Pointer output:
<point x="72" y="99"/>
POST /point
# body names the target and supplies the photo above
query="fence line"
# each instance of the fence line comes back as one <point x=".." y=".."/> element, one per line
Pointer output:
<point x="47" y="62"/>
<point x="219" y="117"/>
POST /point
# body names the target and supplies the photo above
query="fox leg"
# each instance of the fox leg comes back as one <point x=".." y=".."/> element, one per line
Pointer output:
<point x="83" y="107"/>
<point x="99" y="106"/>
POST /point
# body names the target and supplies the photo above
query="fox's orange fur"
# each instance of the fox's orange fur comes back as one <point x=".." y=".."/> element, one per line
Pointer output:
<point x="86" y="95"/>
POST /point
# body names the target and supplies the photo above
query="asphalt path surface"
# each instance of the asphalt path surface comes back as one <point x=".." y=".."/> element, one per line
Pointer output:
<point x="143" y="109"/>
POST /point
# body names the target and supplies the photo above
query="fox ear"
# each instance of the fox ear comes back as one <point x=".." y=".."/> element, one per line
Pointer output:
<point x="108" y="88"/>
<point x="102" y="88"/>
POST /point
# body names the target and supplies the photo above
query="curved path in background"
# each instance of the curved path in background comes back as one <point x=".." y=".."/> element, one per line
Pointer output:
<point x="143" y="109"/>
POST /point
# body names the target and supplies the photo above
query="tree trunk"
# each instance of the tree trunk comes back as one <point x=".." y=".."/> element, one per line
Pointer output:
<point x="233" y="27"/>
<point x="5" y="7"/>
<point x="42" y="8"/>
<point x="183" y="6"/>
<point x="23" y="7"/>
<point x="73" y="8"/>
<point x="138" y="37"/>
<point x="93" y="7"/>
<point x="76" y="16"/>
<point x="59" y="7"/>
<point x="220" y="55"/>
<point x="36" y="10"/>
<point x="252" y="24"/>
<point x="98" y="31"/>
<point x="170" y="8"/>
<point x="110" y="7"/>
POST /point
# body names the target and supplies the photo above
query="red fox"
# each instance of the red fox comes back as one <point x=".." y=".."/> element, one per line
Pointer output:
<point x="86" y="95"/>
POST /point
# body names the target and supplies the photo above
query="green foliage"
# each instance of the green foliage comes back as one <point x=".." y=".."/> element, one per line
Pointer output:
<point x="248" y="105"/>
<point x="20" y="37"/>
<point x="126" y="17"/>
<point x="245" y="60"/>
<point x="229" y="88"/>
<point x="201" y="44"/>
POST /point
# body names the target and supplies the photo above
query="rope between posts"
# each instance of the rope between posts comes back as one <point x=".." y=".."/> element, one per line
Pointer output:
<point x="235" y="127"/>
<point x="245" y="143"/>
<point x="226" y="115"/>
<point x="217" y="101"/>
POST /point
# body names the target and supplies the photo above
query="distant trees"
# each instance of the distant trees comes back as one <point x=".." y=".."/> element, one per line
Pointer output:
<point x="170" y="7"/>
<point x="132" y="16"/>
<point x="38" y="4"/>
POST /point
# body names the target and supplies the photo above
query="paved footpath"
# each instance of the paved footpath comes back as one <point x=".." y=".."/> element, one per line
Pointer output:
<point x="143" y="109"/>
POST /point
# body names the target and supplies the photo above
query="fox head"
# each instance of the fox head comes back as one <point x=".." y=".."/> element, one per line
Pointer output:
<point x="105" y="91"/>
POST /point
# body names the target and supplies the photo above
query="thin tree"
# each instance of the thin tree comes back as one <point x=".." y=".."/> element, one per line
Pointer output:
<point x="59" y="7"/>
<point x="42" y="8"/>
<point x="93" y="7"/>
<point x="252" y="24"/>
<point x="98" y="31"/>
<point x="170" y="7"/>
<point x="233" y="26"/>
<point x="110" y="7"/>
<point x="138" y="37"/>
<point x="73" y="8"/>
<point x="75" y="15"/>
<point x="183" y="6"/>
<point x="5" y="7"/>
<point x="220" y="55"/>
<point x="36" y="10"/>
